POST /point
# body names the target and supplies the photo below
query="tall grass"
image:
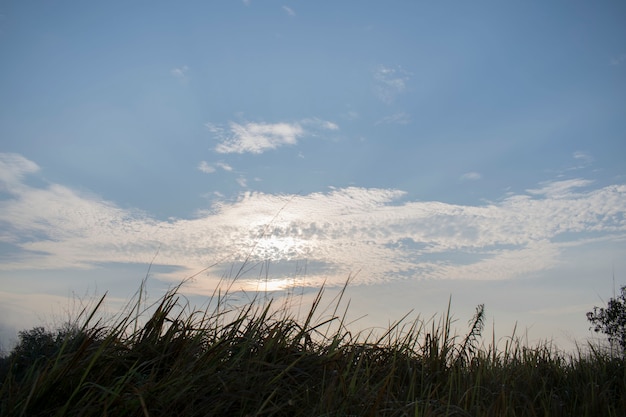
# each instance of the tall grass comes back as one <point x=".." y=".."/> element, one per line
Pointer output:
<point x="261" y="360"/>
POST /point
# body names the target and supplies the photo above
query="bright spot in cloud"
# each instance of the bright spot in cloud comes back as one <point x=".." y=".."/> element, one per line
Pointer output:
<point x="344" y="230"/>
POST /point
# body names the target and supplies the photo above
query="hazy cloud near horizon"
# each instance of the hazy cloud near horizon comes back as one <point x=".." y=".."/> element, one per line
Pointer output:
<point x="347" y="229"/>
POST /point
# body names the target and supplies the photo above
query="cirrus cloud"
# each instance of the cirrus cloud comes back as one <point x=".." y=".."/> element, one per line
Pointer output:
<point x="343" y="229"/>
<point x="390" y="82"/>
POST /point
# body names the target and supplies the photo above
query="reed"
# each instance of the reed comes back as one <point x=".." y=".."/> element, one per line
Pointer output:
<point x="168" y="359"/>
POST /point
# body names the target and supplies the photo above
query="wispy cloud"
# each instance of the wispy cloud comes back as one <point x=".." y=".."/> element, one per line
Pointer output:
<point x="314" y="123"/>
<point x="13" y="168"/>
<point x="471" y="176"/>
<point x="252" y="137"/>
<point x="224" y="166"/>
<point x="583" y="158"/>
<point x="289" y="11"/>
<point x="390" y="82"/>
<point x="344" y="229"/>
<point x="211" y="168"/>
<point x="180" y="72"/>
<point x="401" y="118"/>
<point x="242" y="181"/>
<point x="351" y="115"/>
<point x="560" y="188"/>
<point x="206" y="168"/>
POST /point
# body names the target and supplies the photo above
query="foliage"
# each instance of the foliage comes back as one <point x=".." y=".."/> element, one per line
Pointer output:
<point x="256" y="360"/>
<point x="37" y="346"/>
<point x="612" y="319"/>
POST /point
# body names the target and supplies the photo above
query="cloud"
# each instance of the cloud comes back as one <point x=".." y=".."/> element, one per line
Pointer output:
<point x="259" y="137"/>
<point x="351" y="115"/>
<point x="315" y="123"/>
<point x="224" y="166"/>
<point x="401" y="118"/>
<point x="390" y="82"/>
<point x="180" y="72"/>
<point x="560" y="188"/>
<point x="13" y="169"/>
<point x="246" y="2"/>
<point x="289" y="11"/>
<point x="583" y="157"/>
<point x="206" y="168"/>
<point x="342" y="230"/>
<point x="209" y="169"/>
<point x="251" y="137"/>
<point x="471" y="176"/>
<point x="242" y="181"/>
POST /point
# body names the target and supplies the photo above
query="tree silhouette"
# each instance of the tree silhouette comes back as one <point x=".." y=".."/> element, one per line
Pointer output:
<point x="612" y="319"/>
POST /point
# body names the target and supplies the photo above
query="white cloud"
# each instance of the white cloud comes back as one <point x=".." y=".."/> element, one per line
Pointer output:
<point x="246" y="2"/>
<point x="560" y="188"/>
<point x="344" y="229"/>
<point x="289" y="11"/>
<point x="209" y="169"/>
<point x="390" y="82"/>
<point x="13" y="168"/>
<point x="251" y="137"/>
<point x="259" y="137"/>
<point x="206" y="168"/>
<point x="471" y="176"/>
<point x="224" y="166"/>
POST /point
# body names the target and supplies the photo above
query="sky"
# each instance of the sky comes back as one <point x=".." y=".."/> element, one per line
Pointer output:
<point x="429" y="152"/>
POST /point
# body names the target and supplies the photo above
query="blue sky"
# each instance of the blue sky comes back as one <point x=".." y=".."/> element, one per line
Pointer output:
<point x="428" y="149"/>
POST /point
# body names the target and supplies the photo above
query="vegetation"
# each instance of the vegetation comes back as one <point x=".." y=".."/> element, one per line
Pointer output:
<point x="611" y="320"/>
<point x="257" y="360"/>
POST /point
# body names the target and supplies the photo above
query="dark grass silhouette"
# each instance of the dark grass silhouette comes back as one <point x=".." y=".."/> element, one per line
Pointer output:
<point x="257" y="360"/>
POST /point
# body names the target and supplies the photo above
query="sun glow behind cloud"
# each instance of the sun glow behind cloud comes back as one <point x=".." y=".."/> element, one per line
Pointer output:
<point x="344" y="229"/>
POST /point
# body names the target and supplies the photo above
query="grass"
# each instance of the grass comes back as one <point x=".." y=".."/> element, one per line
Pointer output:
<point x="260" y="360"/>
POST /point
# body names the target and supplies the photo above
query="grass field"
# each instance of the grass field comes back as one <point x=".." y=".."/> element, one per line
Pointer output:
<point x="260" y="360"/>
